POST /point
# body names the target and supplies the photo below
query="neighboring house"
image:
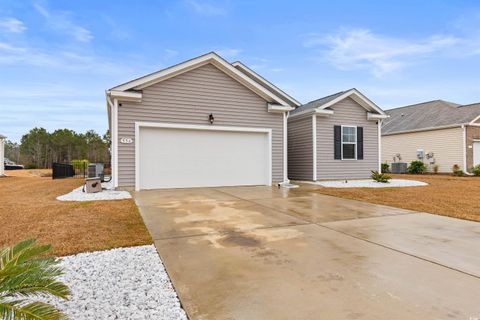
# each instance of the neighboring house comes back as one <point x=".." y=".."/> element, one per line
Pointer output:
<point x="441" y="133"/>
<point x="2" y="155"/>
<point x="335" y="137"/>
<point x="201" y="123"/>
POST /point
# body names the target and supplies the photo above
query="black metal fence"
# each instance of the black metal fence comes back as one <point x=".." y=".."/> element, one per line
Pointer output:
<point x="66" y="170"/>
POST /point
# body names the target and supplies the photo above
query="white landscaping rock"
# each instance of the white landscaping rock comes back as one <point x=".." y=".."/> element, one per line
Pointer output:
<point x="124" y="283"/>
<point x="107" y="194"/>
<point x="367" y="183"/>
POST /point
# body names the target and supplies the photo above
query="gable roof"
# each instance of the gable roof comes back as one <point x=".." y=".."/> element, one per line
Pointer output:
<point x="267" y="84"/>
<point x="326" y="102"/>
<point x="429" y="115"/>
<point x="130" y="89"/>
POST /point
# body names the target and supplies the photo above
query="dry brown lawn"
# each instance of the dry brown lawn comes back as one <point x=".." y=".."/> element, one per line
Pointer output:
<point x="29" y="209"/>
<point x="445" y="195"/>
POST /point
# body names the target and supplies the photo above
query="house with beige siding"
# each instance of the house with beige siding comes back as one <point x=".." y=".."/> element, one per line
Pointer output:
<point x="440" y="133"/>
<point x="335" y="137"/>
<point x="202" y="123"/>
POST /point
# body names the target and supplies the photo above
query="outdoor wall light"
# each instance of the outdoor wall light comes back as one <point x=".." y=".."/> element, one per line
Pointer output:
<point x="211" y="118"/>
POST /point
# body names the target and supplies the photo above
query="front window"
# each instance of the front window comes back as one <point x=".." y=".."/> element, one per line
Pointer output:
<point x="349" y="142"/>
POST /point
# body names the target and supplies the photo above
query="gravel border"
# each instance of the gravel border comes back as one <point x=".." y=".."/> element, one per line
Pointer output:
<point x="107" y="194"/>
<point x="367" y="183"/>
<point x="124" y="283"/>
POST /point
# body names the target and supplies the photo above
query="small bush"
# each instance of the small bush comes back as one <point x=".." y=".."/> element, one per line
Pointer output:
<point x="457" y="171"/>
<point x="417" y="167"/>
<point x="385" y="168"/>
<point x="476" y="170"/>
<point x="435" y="168"/>
<point x="79" y="164"/>
<point x="380" y="177"/>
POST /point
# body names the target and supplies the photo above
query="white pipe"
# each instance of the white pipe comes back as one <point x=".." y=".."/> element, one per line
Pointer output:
<point x="2" y="156"/>
<point x="314" y="149"/>
<point x="285" y="147"/>
<point x="380" y="145"/>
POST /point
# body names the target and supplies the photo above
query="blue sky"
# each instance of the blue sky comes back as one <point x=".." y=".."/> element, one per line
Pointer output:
<point x="58" y="57"/>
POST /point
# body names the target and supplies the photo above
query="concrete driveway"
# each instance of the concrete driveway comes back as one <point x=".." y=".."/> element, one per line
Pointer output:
<point x="269" y="253"/>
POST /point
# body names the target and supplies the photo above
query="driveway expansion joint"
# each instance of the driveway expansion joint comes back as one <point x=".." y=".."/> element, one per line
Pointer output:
<point x="398" y="250"/>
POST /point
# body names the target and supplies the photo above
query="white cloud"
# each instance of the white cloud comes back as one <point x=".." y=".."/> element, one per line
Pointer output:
<point x="228" y="52"/>
<point x="170" y="53"/>
<point x="61" y="22"/>
<point x="205" y="9"/>
<point x="362" y="49"/>
<point x="12" y="25"/>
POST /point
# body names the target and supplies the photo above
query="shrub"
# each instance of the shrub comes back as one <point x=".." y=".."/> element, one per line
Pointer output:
<point x="380" y="177"/>
<point x="417" y="167"/>
<point x="79" y="163"/>
<point x="26" y="274"/>
<point x="435" y="168"/>
<point x="457" y="171"/>
<point x="385" y="168"/>
<point x="476" y="170"/>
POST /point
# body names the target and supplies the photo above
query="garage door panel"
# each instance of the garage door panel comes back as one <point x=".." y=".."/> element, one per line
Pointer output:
<point x="180" y="158"/>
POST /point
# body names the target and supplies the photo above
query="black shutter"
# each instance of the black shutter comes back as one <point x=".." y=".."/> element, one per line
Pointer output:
<point x="337" y="133"/>
<point x="359" y="143"/>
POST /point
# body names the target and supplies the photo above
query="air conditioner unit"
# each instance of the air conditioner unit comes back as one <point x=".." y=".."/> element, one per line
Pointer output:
<point x="95" y="170"/>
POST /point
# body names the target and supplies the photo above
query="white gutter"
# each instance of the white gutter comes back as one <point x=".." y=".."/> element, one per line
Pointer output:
<point x="278" y="108"/>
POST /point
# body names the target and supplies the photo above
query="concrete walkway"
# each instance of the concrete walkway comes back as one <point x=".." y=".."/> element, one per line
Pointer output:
<point x="268" y="253"/>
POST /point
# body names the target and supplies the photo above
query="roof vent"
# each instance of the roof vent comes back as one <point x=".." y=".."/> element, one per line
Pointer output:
<point x="402" y="115"/>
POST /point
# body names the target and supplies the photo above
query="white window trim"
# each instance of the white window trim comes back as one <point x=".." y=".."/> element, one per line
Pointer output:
<point x="354" y="143"/>
<point x="139" y="125"/>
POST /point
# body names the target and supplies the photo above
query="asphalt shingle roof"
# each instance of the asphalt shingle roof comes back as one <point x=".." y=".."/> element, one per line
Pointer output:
<point x="317" y="103"/>
<point x="432" y="114"/>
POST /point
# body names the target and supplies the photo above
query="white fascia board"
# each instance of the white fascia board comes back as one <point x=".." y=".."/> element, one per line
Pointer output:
<point x="212" y="58"/>
<point x="265" y="82"/>
<point x="376" y="116"/>
<point x="473" y="122"/>
<point x="323" y="112"/>
<point x="359" y="98"/>
<point x="309" y="112"/>
<point x="125" y="95"/>
<point x="277" y="108"/>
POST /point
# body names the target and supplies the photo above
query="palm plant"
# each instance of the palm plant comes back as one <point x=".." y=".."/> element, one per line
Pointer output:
<point x="25" y="274"/>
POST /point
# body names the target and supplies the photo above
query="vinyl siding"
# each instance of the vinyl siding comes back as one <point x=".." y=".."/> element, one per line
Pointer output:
<point x="300" y="148"/>
<point x="446" y="144"/>
<point x="346" y="112"/>
<point x="188" y="99"/>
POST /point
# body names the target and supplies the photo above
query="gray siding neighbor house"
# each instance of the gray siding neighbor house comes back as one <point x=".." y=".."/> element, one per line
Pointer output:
<point x="439" y="133"/>
<point x="335" y="137"/>
<point x="201" y="123"/>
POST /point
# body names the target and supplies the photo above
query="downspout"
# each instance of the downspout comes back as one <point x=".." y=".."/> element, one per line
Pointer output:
<point x="380" y="145"/>
<point x="314" y="147"/>
<point x="285" y="148"/>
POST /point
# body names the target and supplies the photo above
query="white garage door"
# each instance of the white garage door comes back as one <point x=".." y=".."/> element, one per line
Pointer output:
<point x="183" y="158"/>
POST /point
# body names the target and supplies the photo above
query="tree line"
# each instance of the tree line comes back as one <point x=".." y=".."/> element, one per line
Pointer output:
<point x="40" y="148"/>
